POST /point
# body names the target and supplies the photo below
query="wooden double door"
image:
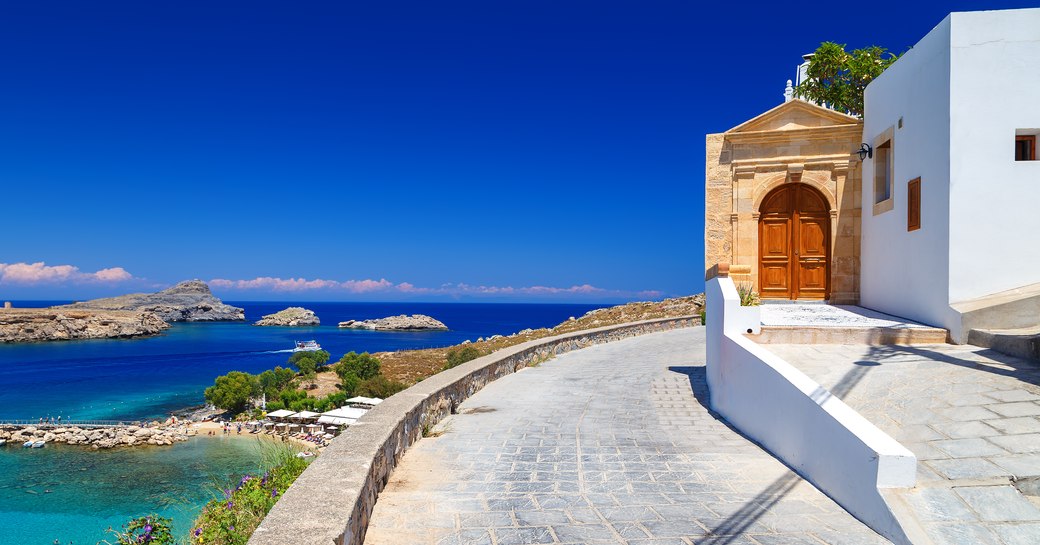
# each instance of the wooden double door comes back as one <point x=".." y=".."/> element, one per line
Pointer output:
<point x="794" y="239"/>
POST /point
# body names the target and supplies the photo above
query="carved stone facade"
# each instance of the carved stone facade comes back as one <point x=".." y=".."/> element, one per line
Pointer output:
<point x="796" y="142"/>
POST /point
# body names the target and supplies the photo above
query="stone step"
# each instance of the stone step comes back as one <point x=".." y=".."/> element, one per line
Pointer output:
<point x="1021" y="343"/>
<point x="874" y="336"/>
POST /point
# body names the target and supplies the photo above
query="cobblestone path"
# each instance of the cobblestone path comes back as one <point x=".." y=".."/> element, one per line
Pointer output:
<point x="607" y="445"/>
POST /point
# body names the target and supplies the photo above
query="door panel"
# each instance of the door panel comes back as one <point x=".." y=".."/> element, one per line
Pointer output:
<point x="794" y="239"/>
<point x="776" y="238"/>
<point x="812" y="240"/>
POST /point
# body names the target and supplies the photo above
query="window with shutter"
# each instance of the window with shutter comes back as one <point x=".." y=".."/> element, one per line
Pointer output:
<point x="913" y="205"/>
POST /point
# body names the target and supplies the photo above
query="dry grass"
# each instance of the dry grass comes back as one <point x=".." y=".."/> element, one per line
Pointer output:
<point x="327" y="382"/>
<point x="411" y="366"/>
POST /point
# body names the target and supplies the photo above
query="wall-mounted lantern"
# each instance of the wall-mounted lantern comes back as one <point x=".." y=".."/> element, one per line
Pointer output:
<point x="865" y="151"/>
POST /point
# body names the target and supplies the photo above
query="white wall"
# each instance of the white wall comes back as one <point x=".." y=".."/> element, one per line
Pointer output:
<point x="905" y="273"/>
<point x="800" y="422"/>
<point x="995" y="201"/>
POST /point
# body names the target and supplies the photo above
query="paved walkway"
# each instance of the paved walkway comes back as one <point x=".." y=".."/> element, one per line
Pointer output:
<point x="969" y="414"/>
<point x="607" y="445"/>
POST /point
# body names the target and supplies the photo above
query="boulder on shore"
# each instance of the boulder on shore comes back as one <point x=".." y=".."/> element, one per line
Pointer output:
<point x="415" y="322"/>
<point x="189" y="301"/>
<point x="292" y="316"/>
<point x="50" y="324"/>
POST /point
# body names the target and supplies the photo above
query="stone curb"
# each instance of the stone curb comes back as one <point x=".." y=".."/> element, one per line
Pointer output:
<point x="331" y="502"/>
<point x="873" y="336"/>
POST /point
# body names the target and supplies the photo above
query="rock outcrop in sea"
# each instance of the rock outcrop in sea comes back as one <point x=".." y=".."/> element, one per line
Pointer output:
<point x="292" y="316"/>
<point x="415" y="322"/>
<point x="99" y="438"/>
<point x="189" y="301"/>
<point x="63" y="324"/>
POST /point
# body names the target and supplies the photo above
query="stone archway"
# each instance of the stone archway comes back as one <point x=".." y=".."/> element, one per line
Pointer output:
<point x="794" y="239"/>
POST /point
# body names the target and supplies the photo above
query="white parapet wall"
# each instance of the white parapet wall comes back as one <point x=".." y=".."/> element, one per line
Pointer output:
<point x="800" y="422"/>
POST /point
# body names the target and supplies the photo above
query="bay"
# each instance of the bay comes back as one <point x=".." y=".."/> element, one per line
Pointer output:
<point x="72" y="494"/>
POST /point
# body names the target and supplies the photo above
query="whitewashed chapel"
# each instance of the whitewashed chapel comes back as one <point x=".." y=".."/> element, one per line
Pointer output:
<point x="938" y="222"/>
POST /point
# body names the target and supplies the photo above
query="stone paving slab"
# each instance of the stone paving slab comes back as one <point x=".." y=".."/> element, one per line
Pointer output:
<point x="607" y="445"/>
<point x="972" y="417"/>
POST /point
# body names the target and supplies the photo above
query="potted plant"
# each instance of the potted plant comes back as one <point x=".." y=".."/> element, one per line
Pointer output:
<point x="750" y="316"/>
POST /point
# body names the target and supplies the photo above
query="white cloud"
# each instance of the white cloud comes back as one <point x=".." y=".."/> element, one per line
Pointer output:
<point x="266" y="283"/>
<point x="29" y="274"/>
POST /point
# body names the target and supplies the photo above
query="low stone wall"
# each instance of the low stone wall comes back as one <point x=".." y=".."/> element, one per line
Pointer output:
<point x="330" y="503"/>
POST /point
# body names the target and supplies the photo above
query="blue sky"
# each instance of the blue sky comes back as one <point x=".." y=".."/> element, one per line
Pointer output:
<point x="507" y="150"/>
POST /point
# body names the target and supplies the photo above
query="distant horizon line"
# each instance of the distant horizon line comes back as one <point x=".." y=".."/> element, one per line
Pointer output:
<point x="283" y="301"/>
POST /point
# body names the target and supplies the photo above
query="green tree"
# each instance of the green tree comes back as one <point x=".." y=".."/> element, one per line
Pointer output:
<point x="314" y="359"/>
<point x="364" y="365"/>
<point x="348" y="381"/>
<point x="457" y="357"/>
<point x="233" y="391"/>
<point x="288" y="397"/>
<point x="838" y="78"/>
<point x="379" y="386"/>
<point x="275" y="380"/>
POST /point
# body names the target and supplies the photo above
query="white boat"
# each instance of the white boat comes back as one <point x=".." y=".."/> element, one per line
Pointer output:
<point x="38" y="444"/>
<point x="3" y="442"/>
<point x="306" y="346"/>
<point x="27" y="444"/>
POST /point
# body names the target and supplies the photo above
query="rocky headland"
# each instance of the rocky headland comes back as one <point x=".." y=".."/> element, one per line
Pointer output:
<point x="292" y="316"/>
<point x="415" y="322"/>
<point x="98" y="438"/>
<point x="63" y="324"/>
<point x="189" y="301"/>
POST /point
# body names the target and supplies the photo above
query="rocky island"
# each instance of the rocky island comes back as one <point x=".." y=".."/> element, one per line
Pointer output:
<point x="415" y="322"/>
<point x="56" y="324"/>
<point x="189" y="301"/>
<point x="292" y="316"/>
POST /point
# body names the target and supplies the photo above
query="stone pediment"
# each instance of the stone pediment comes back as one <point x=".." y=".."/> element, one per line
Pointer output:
<point x="792" y="116"/>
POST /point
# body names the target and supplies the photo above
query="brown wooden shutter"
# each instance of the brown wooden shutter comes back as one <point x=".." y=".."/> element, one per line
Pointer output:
<point x="1025" y="147"/>
<point x="913" y="205"/>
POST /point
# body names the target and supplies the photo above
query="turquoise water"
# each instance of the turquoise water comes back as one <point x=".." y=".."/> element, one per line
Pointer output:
<point x="72" y="494"/>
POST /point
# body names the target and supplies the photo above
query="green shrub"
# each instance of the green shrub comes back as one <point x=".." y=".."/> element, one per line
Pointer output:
<point x="151" y="529"/>
<point x="459" y="356"/>
<point x="330" y="402"/>
<point x="275" y="406"/>
<point x="231" y="518"/>
<point x="379" y="386"/>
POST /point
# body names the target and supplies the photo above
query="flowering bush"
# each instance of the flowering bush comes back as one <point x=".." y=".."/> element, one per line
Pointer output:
<point x="231" y="518"/>
<point x="152" y="529"/>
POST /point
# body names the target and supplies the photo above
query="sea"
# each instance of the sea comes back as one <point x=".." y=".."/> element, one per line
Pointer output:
<point x="62" y="494"/>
